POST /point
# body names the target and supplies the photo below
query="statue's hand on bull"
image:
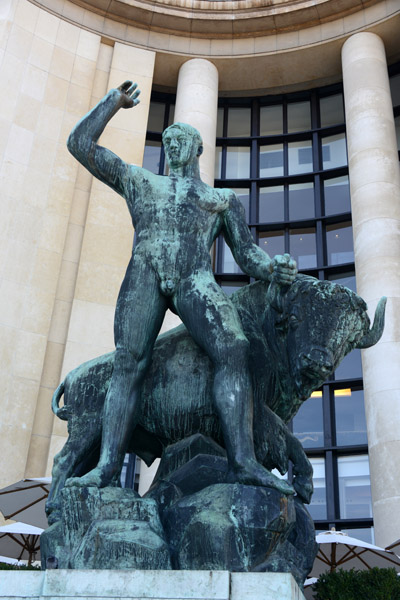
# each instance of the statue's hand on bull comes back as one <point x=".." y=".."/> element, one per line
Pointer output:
<point x="283" y="269"/>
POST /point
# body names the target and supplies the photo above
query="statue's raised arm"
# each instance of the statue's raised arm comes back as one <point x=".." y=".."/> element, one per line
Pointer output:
<point x="82" y="142"/>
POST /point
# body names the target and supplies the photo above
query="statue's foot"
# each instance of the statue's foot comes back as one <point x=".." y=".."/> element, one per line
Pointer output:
<point x="95" y="478"/>
<point x="255" y="474"/>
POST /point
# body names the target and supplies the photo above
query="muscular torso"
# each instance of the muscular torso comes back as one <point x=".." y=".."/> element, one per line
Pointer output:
<point x="176" y="221"/>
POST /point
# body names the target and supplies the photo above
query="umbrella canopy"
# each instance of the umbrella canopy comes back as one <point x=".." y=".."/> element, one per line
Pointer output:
<point x="25" y="501"/>
<point x="339" y="550"/>
<point x="20" y="541"/>
<point x="395" y="547"/>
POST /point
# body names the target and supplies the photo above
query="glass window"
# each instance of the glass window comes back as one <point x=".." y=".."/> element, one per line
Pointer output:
<point x="308" y="423"/>
<point x="334" y="152"/>
<point x="220" y="122"/>
<point x="171" y="114"/>
<point x="397" y="125"/>
<point x="350" y="367"/>
<point x="351" y="428"/>
<point x="271" y="204"/>
<point x="244" y="197"/>
<point x="301" y="201"/>
<point x="156" y="117"/>
<point x="299" y="116"/>
<point x="271" y="120"/>
<point x="317" y="508"/>
<point x="354" y="487"/>
<point x="239" y="122"/>
<point x="229" y="263"/>
<point x="218" y="162"/>
<point x="151" y="157"/>
<point x="300" y="157"/>
<point x="339" y="243"/>
<point x="331" y="110"/>
<point x="272" y="242"/>
<point x="395" y="89"/>
<point x="303" y="247"/>
<point x="238" y="162"/>
<point x="337" y="195"/>
<point x="230" y="287"/>
<point x="271" y="160"/>
<point x="346" y="279"/>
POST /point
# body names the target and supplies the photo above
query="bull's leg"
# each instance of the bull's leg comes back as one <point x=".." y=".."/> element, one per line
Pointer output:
<point x="214" y="323"/>
<point x="302" y="469"/>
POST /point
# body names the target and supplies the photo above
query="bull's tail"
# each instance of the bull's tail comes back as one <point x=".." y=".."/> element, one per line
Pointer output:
<point x="62" y="412"/>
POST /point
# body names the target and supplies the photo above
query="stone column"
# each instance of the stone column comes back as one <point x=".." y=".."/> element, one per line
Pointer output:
<point x="196" y="104"/>
<point x="375" y="199"/>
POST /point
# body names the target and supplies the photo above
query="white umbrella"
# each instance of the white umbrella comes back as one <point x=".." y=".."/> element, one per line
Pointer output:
<point x="10" y="561"/>
<point x="20" y="541"/>
<point x="395" y="547"/>
<point x="25" y="501"/>
<point x="339" y="550"/>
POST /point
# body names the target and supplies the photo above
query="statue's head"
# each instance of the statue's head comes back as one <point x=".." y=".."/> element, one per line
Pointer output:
<point x="182" y="144"/>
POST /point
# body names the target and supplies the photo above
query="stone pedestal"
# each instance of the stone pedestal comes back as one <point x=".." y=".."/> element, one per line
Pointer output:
<point x="147" y="585"/>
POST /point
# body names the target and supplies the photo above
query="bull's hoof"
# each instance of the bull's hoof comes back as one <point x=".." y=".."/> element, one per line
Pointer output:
<point x="255" y="474"/>
<point x="94" y="478"/>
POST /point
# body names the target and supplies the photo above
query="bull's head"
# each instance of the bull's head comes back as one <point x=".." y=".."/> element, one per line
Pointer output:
<point x="316" y="324"/>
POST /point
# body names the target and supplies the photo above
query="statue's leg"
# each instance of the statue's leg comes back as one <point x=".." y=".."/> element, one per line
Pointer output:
<point x="214" y="324"/>
<point x="138" y="319"/>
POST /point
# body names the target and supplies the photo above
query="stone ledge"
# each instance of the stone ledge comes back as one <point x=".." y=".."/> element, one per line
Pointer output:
<point x="147" y="585"/>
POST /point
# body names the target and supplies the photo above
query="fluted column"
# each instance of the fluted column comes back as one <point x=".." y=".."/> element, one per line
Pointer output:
<point x="375" y="199"/>
<point x="196" y="104"/>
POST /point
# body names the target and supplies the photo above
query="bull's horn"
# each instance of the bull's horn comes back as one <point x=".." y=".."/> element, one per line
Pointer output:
<point x="374" y="334"/>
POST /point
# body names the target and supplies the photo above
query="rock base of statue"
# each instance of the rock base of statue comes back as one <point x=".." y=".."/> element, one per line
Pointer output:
<point x="147" y="585"/>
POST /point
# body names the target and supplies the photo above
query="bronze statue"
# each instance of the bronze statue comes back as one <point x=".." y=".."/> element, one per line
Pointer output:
<point x="176" y="220"/>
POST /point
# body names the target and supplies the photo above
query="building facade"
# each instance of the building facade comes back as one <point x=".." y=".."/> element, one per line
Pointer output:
<point x="298" y="106"/>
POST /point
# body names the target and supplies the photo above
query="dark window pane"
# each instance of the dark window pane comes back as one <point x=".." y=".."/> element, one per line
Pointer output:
<point x="300" y="157"/>
<point x="354" y="487"/>
<point x="308" y="423"/>
<point x="317" y="508"/>
<point x="156" y="117"/>
<point x="151" y="157"/>
<point x="331" y="109"/>
<point x="271" y="120"/>
<point x="299" y="116"/>
<point x="272" y="242"/>
<point x="303" y="248"/>
<point x="271" y="160"/>
<point x="350" y="367"/>
<point x="243" y="195"/>
<point x="220" y="122"/>
<point x="397" y="125"/>
<point x="351" y="428"/>
<point x="230" y="287"/>
<point x="238" y="162"/>
<point x="301" y="201"/>
<point x="337" y="195"/>
<point x="218" y="162"/>
<point x="339" y="243"/>
<point x="346" y="279"/>
<point x="395" y="89"/>
<point x="334" y="152"/>
<point x="239" y="122"/>
<point x="228" y="262"/>
<point x="270" y="207"/>
<point x="171" y="114"/>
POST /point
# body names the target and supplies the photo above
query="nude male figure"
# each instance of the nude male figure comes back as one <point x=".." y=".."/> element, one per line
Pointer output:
<point x="176" y="220"/>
